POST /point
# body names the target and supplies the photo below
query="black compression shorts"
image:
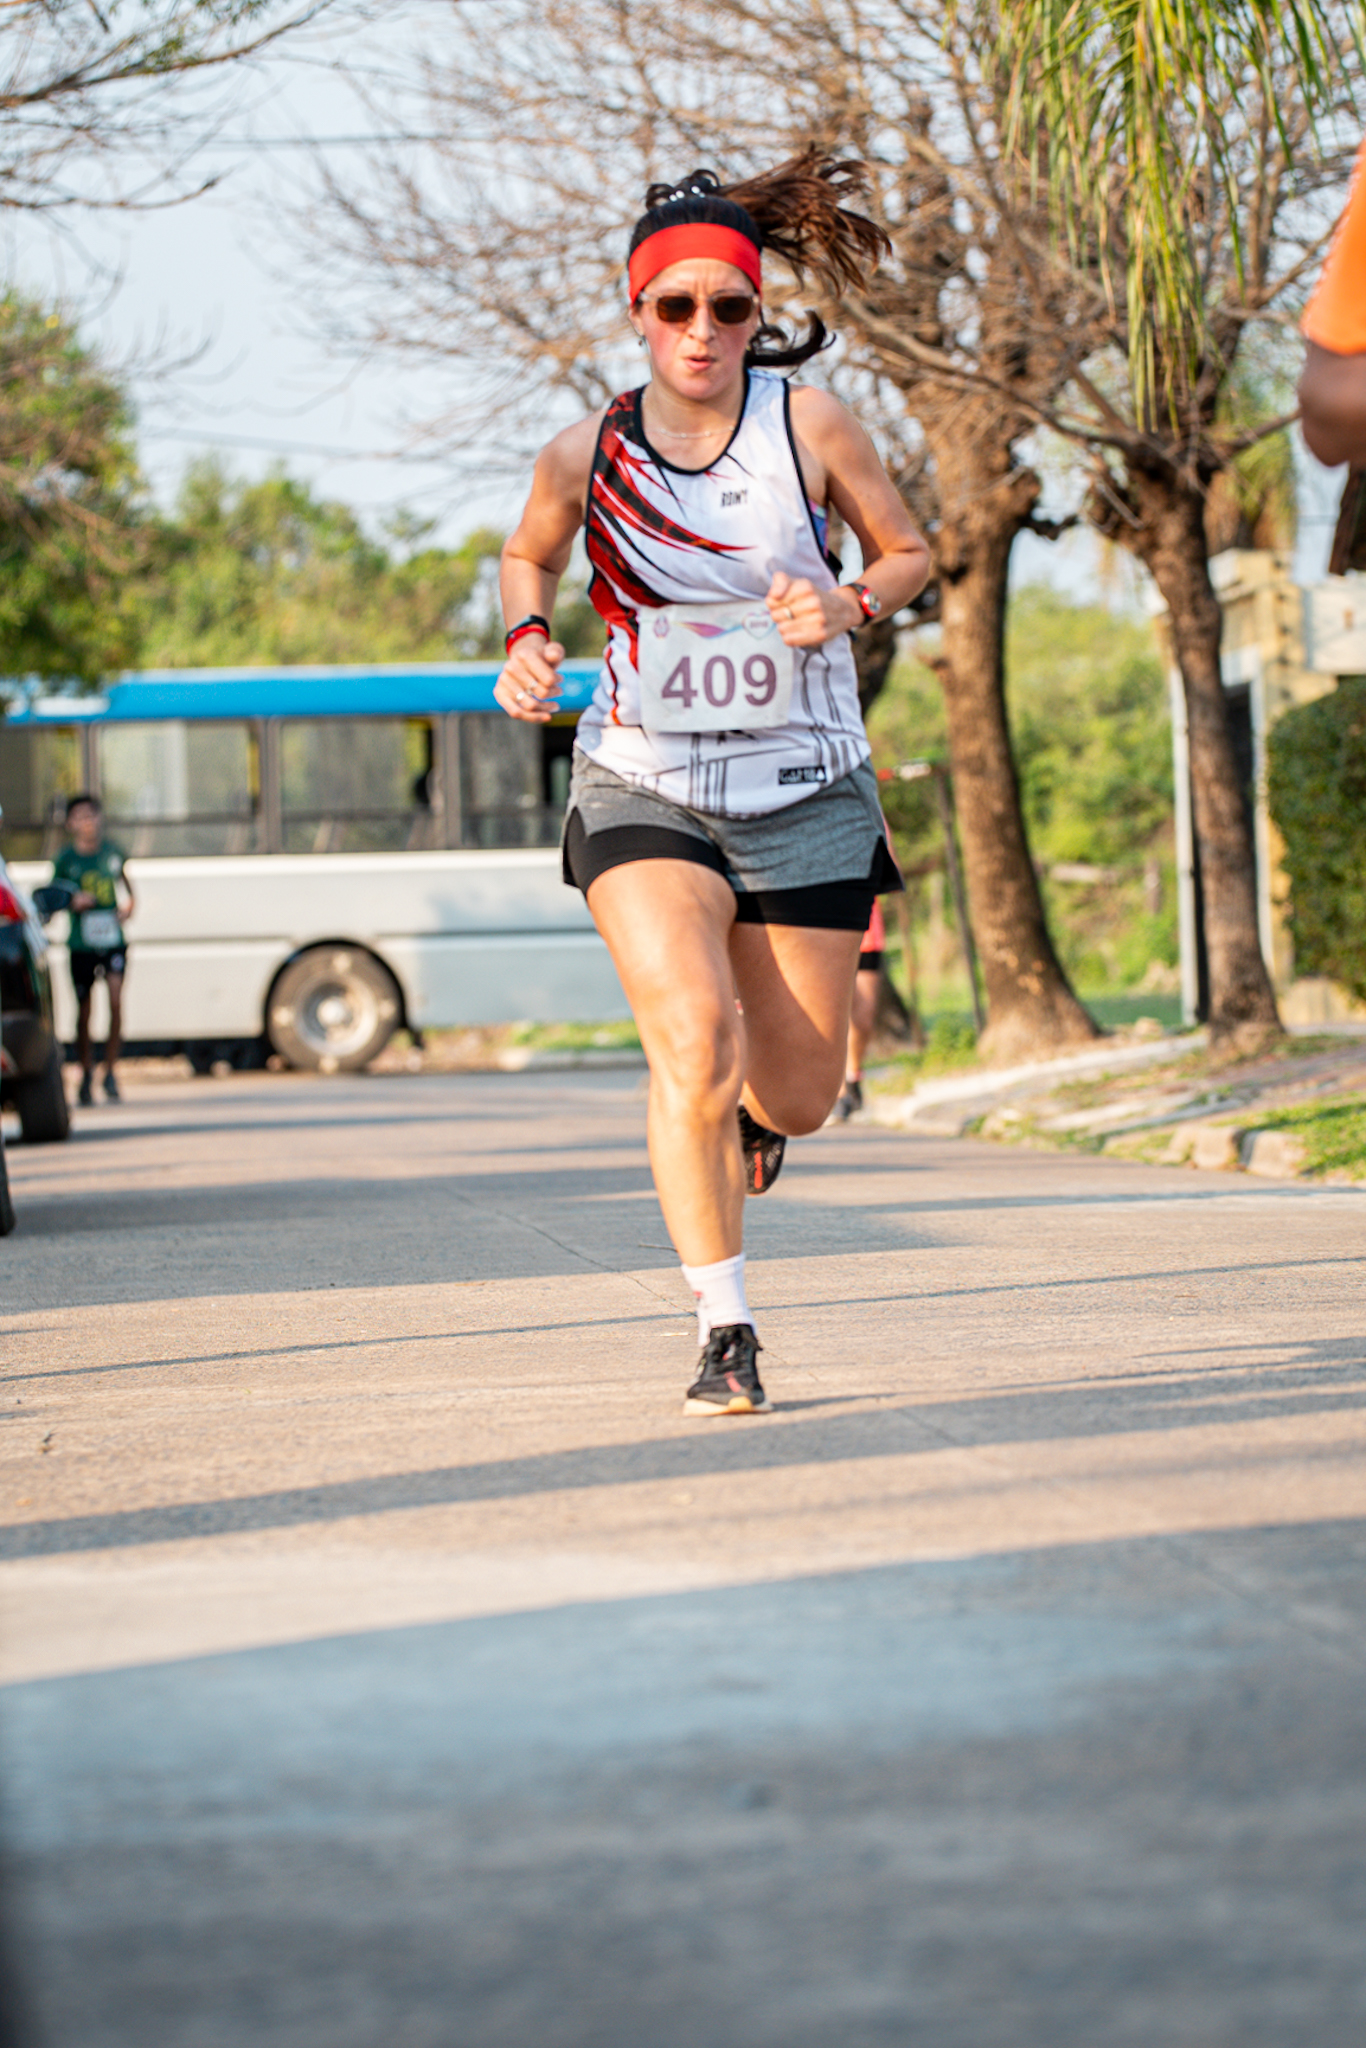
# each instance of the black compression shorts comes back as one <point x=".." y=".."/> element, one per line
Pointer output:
<point x="86" y="963"/>
<point x="843" y="906"/>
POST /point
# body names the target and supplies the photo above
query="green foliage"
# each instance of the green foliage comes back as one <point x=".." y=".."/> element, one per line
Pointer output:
<point x="950" y="1043"/>
<point x="269" y="573"/>
<point x="1142" y="97"/>
<point x="1253" y="503"/>
<point x="1088" y="711"/>
<point x="71" y="524"/>
<point x="1317" y="792"/>
<point x="1334" y="1134"/>
<point x="1092" y="741"/>
<point x="906" y="723"/>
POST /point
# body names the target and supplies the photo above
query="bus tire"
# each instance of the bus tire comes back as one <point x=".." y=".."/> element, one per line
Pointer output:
<point x="7" y="1216"/>
<point x="333" y="1010"/>
<point x="44" y="1113"/>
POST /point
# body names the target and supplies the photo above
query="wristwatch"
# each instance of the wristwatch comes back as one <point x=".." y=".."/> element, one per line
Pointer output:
<point x="869" y="602"/>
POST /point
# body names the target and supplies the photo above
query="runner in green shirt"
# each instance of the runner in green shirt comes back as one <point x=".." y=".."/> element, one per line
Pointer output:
<point x="93" y="866"/>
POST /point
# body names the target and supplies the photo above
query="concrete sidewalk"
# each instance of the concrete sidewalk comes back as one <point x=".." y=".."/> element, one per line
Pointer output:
<point x="388" y="1660"/>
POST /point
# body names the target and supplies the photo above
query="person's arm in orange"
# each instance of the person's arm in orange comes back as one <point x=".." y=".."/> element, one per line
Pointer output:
<point x="1333" y="386"/>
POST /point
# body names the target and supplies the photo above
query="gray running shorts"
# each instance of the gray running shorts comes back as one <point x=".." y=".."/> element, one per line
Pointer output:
<point x="818" y="863"/>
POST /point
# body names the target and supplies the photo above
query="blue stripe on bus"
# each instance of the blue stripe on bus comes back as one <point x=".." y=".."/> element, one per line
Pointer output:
<point x="395" y="690"/>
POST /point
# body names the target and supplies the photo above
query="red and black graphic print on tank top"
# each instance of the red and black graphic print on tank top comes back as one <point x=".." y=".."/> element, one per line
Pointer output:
<point x="660" y="535"/>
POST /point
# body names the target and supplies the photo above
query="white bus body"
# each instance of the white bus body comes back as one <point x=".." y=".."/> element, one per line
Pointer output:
<point x="469" y="937"/>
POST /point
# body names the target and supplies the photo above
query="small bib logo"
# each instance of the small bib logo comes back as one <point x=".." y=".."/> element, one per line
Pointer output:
<point x="801" y="775"/>
<point x="734" y="497"/>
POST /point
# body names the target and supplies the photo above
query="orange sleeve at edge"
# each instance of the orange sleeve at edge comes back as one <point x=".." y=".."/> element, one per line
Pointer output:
<point x="1335" y="317"/>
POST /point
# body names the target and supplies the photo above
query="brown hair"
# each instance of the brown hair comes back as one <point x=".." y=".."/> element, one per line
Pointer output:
<point x="799" y="210"/>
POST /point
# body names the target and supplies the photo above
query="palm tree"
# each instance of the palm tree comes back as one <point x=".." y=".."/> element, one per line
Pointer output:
<point x="1176" y="141"/>
<point x="1126" y="87"/>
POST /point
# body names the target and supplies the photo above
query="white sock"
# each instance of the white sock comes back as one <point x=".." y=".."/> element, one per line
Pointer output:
<point x="720" y="1291"/>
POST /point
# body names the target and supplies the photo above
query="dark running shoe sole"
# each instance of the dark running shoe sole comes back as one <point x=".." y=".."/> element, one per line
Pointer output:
<point x="763" y="1150"/>
<point x="727" y="1382"/>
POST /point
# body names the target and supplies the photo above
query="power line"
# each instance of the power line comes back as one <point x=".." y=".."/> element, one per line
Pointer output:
<point x="281" y="447"/>
<point x="315" y="141"/>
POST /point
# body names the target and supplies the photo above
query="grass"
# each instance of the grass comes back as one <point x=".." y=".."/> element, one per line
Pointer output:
<point x="1333" y="1133"/>
<point x="619" y="1036"/>
<point x="950" y="1043"/>
<point x="1114" y="1012"/>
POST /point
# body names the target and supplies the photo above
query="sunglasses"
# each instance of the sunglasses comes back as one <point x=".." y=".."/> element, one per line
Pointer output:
<point x="728" y="309"/>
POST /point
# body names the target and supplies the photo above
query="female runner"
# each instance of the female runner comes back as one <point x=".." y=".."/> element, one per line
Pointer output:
<point x="723" y="817"/>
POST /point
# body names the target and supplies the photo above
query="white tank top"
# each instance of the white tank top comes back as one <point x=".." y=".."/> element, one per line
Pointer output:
<point x="659" y="535"/>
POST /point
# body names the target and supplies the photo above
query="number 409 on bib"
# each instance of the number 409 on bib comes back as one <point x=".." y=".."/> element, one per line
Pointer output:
<point x="713" y="668"/>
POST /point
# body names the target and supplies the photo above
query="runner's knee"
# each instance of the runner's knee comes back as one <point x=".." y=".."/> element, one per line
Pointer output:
<point x="798" y="1101"/>
<point x="699" y="1056"/>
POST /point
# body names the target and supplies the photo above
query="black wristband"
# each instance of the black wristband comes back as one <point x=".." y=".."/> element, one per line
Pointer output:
<point x="522" y="626"/>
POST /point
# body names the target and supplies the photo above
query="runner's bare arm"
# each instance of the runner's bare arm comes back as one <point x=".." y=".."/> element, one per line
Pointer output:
<point x="840" y="466"/>
<point x="1333" y="406"/>
<point x="534" y="559"/>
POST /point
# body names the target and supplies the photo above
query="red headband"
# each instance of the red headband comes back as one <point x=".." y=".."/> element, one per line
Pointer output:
<point x="693" y="238"/>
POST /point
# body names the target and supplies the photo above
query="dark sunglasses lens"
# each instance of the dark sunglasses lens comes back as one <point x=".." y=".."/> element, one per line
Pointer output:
<point x="733" y="309"/>
<point x="675" y="309"/>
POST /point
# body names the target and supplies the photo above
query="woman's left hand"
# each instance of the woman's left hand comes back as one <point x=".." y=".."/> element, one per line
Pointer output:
<point x="807" y="617"/>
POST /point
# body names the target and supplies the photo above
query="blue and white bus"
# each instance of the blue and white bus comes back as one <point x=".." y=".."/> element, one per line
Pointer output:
<point x="320" y="855"/>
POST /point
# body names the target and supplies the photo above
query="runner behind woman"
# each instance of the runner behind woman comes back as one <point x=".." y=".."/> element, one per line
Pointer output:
<point x="93" y="866"/>
<point x="723" y="816"/>
<point x="862" y="1015"/>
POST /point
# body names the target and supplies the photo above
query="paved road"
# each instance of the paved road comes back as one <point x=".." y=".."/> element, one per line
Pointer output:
<point x="388" y="1663"/>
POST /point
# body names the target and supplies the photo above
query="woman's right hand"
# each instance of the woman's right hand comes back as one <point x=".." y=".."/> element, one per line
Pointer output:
<point x="529" y="686"/>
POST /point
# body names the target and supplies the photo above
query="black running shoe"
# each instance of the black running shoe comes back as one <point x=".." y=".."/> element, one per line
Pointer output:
<point x="86" y="1097"/>
<point x="111" y="1088"/>
<point x="763" y="1151"/>
<point x="727" y="1380"/>
<point x="849" y="1099"/>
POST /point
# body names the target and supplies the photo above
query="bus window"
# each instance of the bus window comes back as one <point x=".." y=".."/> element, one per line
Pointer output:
<point x="40" y="767"/>
<point x="179" y="787"/>
<point x="357" y="785"/>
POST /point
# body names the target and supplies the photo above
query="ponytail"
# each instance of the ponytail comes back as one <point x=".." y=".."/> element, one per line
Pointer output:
<point x="801" y="214"/>
<point x="798" y="210"/>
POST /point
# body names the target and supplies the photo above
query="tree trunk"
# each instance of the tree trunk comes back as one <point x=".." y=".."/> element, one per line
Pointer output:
<point x="1031" y="1010"/>
<point x="1170" y="540"/>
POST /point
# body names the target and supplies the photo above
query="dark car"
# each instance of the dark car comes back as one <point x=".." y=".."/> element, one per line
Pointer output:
<point x="30" y="1053"/>
<point x="6" y="1205"/>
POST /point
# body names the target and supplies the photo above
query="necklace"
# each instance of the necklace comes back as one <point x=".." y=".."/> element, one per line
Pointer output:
<point x="672" y="433"/>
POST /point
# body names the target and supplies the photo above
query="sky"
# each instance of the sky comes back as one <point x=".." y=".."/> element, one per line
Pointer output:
<point x="215" y="279"/>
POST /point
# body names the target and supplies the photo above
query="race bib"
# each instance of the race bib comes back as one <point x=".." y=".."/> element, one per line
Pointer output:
<point x="100" y="929"/>
<point x="713" y="668"/>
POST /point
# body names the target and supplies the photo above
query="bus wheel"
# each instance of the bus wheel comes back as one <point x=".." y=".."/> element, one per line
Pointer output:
<point x="333" y="1009"/>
